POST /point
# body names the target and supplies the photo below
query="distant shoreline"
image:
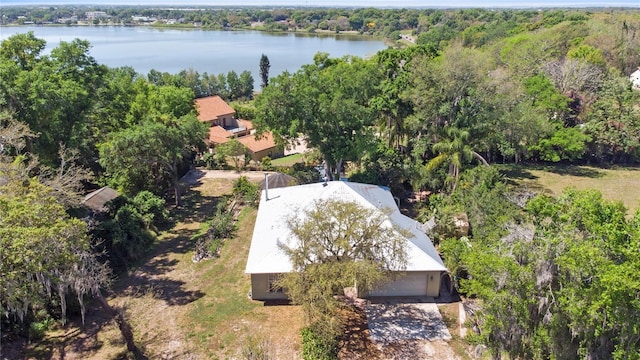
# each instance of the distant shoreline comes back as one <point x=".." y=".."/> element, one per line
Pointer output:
<point x="319" y="33"/>
<point x="352" y="4"/>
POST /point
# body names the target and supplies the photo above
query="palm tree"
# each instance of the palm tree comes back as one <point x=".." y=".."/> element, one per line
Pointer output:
<point x="455" y="150"/>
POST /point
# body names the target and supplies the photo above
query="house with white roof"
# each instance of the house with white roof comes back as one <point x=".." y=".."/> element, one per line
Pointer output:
<point x="267" y="261"/>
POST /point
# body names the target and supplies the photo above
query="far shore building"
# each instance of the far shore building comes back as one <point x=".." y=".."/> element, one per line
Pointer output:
<point x="223" y="126"/>
<point x="93" y="15"/>
<point x="267" y="261"/>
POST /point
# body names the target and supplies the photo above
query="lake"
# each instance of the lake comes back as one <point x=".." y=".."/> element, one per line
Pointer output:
<point x="210" y="51"/>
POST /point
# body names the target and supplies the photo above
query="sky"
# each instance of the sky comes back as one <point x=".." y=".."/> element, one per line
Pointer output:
<point x="347" y="3"/>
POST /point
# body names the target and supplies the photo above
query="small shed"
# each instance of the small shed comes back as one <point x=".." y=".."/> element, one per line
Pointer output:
<point x="97" y="200"/>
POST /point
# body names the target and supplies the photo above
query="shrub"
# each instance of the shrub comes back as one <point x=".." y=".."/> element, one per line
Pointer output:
<point x="303" y="173"/>
<point x="314" y="347"/>
<point x="38" y="328"/>
<point x="220" y="228"/>
<point x="209" y="160"/>
<point x="151" y="208"/>
<point x="266" y="163"/>
<point x="246" y="191"/>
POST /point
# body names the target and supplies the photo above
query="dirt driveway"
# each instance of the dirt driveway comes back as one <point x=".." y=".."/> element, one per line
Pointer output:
<point x="195" y="175"/>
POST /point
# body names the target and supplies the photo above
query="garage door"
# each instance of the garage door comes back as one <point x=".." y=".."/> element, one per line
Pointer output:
<point x="412" y="284"/>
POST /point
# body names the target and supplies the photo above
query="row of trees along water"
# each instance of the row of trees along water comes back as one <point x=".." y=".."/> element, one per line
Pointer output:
<point x="546" y="87"/>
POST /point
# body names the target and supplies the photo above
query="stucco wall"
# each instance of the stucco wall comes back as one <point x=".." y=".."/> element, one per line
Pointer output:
<point x="273" y="153"/>
<point x="260" y="288"/>
<point x="414" y="283"/>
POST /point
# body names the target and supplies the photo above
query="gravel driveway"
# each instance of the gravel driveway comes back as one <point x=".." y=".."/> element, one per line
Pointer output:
<point x="392" y="321"/>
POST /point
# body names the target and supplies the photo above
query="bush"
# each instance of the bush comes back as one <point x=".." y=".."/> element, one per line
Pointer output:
<point x="220" y="228"/>
<point x="209" y="161"/>
<point x="125" y="230"/>
<point x="38" y="328"/>
<point x="246" y="191"/>
<point x="152" y="209"/>
<point x="315" y="348"/>
<point x="304" y="174"/>
<point x="266" y="163"/>
<point x="222" y="225"/>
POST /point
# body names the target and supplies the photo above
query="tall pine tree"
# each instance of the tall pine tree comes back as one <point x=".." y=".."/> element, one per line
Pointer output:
<point x="264" y="70"/>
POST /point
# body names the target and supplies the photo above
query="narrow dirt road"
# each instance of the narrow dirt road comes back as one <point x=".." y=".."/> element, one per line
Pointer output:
<point x="196" y="175"/>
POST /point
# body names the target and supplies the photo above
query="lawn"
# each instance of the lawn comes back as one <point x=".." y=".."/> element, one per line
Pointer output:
<point x="620" y="184"/>
<point x="288" y="160"/>
<point x="184" y="310"/>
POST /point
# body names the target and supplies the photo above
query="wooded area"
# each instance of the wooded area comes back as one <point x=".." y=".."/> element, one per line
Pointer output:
<point x="553" y="277"/>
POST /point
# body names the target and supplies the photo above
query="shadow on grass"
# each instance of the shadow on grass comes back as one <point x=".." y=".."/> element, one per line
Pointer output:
<point x="147" y="280"/>
<point x="81" y="338"/>
<point x="573" y="170"/>
<point x="196" y="207"/>
<point x="523" y="171"/>
<point x="516" y="172"/>
<point x="277" y="302"/>
<point x="169" y="290"/>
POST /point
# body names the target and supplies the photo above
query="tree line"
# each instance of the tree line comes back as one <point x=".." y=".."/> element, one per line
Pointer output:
<point x="557" y="93"/>
<point x="477" y="26"/>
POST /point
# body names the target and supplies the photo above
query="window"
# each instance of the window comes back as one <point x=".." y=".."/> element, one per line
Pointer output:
<point x="272" y="280"/>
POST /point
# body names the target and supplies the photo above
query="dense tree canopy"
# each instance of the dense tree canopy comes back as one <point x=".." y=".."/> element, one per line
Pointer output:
<point x="148" y="156"/>
<point x="317" y="104"/>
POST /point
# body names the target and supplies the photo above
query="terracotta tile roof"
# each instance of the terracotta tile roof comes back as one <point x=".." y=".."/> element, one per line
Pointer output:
<point x="218" y="139"/>
<point x="246" y="123"/>
<point x="211" y="107"/>
<point x="264" y="143"/>
<point x="219" y="131"/>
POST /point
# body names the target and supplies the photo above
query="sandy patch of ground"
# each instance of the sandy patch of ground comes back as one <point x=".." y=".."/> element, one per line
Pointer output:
<point x="197" y="175"/>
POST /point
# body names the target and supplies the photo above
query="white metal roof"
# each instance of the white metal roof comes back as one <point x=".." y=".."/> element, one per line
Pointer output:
<point x="265" y="255"/>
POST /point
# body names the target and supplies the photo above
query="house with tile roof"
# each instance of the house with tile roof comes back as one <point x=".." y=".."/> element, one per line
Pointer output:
<point x="261" y="147"/>
<point x="267" y="261"/>
<point x="215" y="111"/>
<point x="223" y="126"/>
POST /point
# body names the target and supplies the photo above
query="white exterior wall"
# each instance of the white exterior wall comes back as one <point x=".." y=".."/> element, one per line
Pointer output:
<point x="635" y="79"/>
<point x="414" y="283"/>
<point x="260" y="288"/>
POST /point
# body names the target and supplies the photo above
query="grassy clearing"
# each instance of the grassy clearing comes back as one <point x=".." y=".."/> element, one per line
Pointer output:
<point x="619" y="184"/>
<point x="288" y="160"/>
<point x="219" y="324"/>
<point x="184" y="310"/>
